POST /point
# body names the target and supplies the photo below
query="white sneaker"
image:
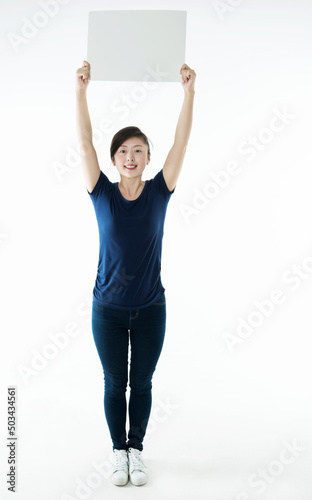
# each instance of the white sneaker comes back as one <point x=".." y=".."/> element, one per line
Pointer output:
<point x="119" y="470"/>
<point x="137" y="468"/>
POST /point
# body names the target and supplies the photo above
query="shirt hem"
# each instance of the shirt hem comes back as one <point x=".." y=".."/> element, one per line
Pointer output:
<point x="127" y="308"/>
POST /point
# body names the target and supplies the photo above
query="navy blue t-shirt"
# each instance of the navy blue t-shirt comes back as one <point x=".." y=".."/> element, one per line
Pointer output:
<point x="130" y="243"/>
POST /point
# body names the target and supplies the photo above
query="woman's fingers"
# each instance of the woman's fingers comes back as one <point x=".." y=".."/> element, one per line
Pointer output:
<point x="83" y="75"/>
<point x="186" y="72"/>
<point x="87" y="71"/>
<point x="83" y="72"/>
<point x="185" y="67"/>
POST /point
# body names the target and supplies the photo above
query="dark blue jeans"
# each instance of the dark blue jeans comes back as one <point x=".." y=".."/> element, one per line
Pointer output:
<point x="112" y="329"/>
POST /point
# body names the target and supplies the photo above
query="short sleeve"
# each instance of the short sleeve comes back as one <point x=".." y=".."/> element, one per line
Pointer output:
<point x="159" y="178"/>
<point x="100" y="187"/>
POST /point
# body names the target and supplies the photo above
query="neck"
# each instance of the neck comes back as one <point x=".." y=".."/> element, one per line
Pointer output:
<point x="131" y="186"/>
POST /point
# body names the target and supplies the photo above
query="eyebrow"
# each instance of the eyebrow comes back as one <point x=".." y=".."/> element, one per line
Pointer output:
<point x="124" y="146"/>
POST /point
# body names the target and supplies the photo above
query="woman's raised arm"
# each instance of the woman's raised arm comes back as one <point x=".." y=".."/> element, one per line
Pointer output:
<point x="90" y="164"/>
<point x="175" y="158"/>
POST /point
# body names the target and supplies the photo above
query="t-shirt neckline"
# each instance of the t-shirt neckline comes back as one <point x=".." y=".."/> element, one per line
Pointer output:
<point x="125" y="199"/>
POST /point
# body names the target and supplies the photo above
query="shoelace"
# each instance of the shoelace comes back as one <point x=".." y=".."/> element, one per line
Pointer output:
<point x="121" y="462"/>
<point x="136" y="460"/>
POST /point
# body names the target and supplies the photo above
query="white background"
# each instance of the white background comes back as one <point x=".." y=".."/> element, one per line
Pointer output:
<point x="220" y="414"/>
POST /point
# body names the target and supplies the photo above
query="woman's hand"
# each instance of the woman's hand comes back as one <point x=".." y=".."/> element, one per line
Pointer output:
<point x="83" y="76"/>
<point x="188" y="78"/>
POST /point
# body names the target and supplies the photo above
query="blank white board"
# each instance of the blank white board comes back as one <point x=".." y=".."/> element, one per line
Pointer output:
<point x="136" y="45"/>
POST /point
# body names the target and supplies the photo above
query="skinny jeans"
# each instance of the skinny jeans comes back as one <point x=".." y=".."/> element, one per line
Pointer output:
<point x="113" y="331"/>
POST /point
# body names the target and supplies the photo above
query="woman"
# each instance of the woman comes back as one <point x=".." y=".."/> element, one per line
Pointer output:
<point x="128" y="297"/>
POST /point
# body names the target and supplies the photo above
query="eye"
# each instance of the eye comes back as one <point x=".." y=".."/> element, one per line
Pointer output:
<point x="140" y="151"/>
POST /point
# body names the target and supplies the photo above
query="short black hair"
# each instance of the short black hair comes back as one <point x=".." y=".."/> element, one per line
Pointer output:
<point x="126" y="133"/>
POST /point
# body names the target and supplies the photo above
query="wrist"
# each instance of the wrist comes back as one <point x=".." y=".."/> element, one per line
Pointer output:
<point x="189" y="93"/>
<point x="80" y="92"/>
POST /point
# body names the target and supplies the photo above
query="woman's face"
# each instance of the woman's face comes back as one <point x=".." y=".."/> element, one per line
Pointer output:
<point x="131" y="157"/>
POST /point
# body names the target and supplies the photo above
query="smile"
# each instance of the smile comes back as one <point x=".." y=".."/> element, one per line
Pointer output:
<point x="131" y="168"/>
